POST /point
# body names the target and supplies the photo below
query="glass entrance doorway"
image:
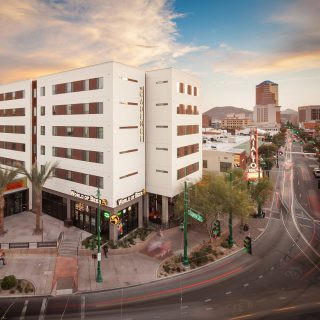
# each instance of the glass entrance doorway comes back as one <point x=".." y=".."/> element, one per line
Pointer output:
<point x="15" y="203"/>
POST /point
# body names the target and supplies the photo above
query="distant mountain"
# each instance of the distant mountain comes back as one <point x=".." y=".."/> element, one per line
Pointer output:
<point x="221" y="112"/>
<point x="289" y="111"/>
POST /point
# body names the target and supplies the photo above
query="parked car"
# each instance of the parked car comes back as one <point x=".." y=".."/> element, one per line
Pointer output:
<point x="316" y="172"/>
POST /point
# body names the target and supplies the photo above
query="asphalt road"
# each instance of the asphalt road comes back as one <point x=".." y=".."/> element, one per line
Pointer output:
<point x="281" y="280"/>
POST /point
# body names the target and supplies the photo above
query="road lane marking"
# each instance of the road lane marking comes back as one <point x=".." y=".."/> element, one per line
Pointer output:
<point x="24" y="309"/>
<point x="246" y="285"/>
<point x="207" y="300"/>
<point x="243" y="317"/>
<point x="184" y="307"/>
<point x="284" y="309"/>
<point x="208" y="309"/>
<point x="229" y="292"/>
<point x="261" y="276"/>
<point x="272" y="268"/>
<point x="282" y="298"/>
<point x="43" y="308"/>
<point x="83" y="305"/>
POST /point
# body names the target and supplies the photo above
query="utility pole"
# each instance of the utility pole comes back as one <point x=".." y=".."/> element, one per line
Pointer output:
<point x="230" y="239"/>
<point x="185" y="225"/>
<point x="277" y="158"/>
<point x="99" y="276"/>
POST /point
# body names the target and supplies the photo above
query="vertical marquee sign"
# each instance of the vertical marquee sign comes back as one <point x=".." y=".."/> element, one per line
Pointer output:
<point x="252" y="172"/>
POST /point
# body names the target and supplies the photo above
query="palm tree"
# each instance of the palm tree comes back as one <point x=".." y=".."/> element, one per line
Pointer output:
<point x="6" y="177"/>
<point x="38" y="178"/>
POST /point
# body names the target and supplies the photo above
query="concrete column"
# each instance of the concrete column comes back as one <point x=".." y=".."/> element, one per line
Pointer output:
<point x="68" y="209"/>
<point x="113" y="232"/>
<point x="165" y="211"/>
<point x="146" y="208"/>
<point x="140" y="213"/>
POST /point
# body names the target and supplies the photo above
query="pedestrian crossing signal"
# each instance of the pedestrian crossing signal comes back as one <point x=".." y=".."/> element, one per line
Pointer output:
<point x="216" y="231"/>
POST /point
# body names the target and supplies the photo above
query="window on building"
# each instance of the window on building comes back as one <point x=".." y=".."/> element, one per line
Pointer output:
<point x="43" y="150"/>
<point x="161" y="82"/>
<point x="100" y="108"/>
<point x="69" y="131"/>
<point x="100" y="133"/>
<point x="162" y="149"/>
<point x="85" y="155"/>
<point x="161" y="171"/>
<point x="189" y="89"/>
<point x="42" y="130"/>
<point x="69" y="109"/>
<point x="99" y="157"/>
<point x="205" y="164"/>
<point x="43" y="110"/>
<point x="42" y="91"/>
<point x="100" y="83"/>
<point x="68" y="153"/>
<point x="225" y="166"/>
<point x="195" y="91"/>
<point x="100" y="182"/>
<point x="69" y="87"/>
<point x="86" y="108"/>
<point x="180" y="87"/>
<point x="86" y="132"/>
<point x="34" y="130"/>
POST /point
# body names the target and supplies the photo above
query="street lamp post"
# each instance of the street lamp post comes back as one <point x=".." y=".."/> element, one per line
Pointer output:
<point x="277" y="158"/>
<point x="230" y="239"/>
<point x="99" y="276"/>
<point x="185" y="231"/>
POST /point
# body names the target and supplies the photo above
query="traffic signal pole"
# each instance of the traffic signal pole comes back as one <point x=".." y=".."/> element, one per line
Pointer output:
<point x="185" y="225"/>
<point x="230" y="239"/>
<point x="99" y="275"/>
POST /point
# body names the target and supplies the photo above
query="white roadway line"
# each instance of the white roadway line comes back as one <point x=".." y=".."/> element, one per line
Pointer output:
<point x="4" y="315"/>
<point x="229" y="292"/>
<point x="43" y="308"/>
<point x="294" y="218"/>
<point x="272" y="268"/>
<point x="261" y="276"/>
<point x="207" y="300"/>
<point x="246" y="285"/>
<point x="83" y="304"/>
<point x="24" y="309"/>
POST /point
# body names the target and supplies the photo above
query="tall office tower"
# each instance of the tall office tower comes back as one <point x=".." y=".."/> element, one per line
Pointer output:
<point x="16" y="137"/>
<point x="267" y="93"/>
<point x="92" y="121"/>
<point x="173" y="140"/>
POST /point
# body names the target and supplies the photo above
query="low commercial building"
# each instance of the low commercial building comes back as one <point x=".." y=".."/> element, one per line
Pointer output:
<point x="235" y="122"/>
<point x="309" y="116"/>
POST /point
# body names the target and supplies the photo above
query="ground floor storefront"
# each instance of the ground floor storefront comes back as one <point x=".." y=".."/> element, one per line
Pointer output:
<point x="16" y="202"/>
<point x="84" y="214"/>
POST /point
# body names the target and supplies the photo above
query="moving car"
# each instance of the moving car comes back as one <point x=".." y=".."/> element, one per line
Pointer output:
<point x="316" y="172"/>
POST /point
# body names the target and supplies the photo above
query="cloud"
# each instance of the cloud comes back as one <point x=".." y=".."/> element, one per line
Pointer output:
<point x="294" y="47"/>
<point x="43" y="36"/>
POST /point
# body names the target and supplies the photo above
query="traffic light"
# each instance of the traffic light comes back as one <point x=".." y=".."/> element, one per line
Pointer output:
<point x="294" y="141"/>
<point x="301" y="142"/>
<point x="247" y="245"/>
<point x="216" y="231"/>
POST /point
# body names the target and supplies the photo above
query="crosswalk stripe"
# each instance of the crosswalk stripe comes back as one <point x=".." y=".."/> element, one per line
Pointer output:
<point x="24" y="309"/>
<point x="43" y="308"/>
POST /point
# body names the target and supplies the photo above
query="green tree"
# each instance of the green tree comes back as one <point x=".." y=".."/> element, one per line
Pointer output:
<point x="6" y="177"/>
<point x="268" y="153"/>
<point x="38" y="177"/>
<point x="309" y="147"/>
<point x="260" y="192"/>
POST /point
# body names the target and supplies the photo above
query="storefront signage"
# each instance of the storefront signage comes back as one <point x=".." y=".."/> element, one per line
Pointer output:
<point x="91" y="198"/>
<point x="114" y="219"/>
<point x="141" y="107"/>
<point x="129" y="198"/>
<point x="195" y="215"/>
<point x="106" y="214"/>
<point x="252" y="172"/>
<point x="17" y="184"/>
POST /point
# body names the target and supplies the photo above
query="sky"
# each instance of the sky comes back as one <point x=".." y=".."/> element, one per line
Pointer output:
<point x="230" y="45"/>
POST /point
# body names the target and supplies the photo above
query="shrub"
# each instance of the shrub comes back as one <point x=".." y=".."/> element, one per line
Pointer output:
<point x="225" y="244"/>
<point x="131" y="240"/>
<point x="8" y="282"/>
<point x="166" y="268"/>
<point x="12" y="291"/>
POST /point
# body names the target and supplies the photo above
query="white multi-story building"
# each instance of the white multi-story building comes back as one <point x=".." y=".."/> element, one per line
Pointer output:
<point x="95" y="123"/>
<point x="266" y="116"/>
<point x="91" y="120"/>
<point x="173" y="140"/>
<point x="16" y="137"/>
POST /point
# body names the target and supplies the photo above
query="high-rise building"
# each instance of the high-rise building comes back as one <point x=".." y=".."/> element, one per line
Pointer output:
<point x="134" y="135"/>
<point x="309" y="116"/>
<point x="267" y="93"/>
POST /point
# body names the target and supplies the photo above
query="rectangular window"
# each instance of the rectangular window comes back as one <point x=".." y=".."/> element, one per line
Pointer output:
<point x="69" y="131"/>
<point x="161" y="104"/>
<point x="225" y="166"/>
<point x="69" y="109"/>
<point x="42" y="91"/>
<point x="69" y="87"/>
<point x="34" y="130"/>
<point x="129" y="175"/>
<point x="86" y="85"/>
<point x="128" y="151"/>
<point x="161" y="126"/>
<point x="100" y="133"/>
<point x="162" y="149"/>
<point x="180" y="87"/>
<point x="100" y="108"/>
<point x="85" y="155"/>
<point x="43" y="150"/>
<point x="43" y="111"/>
<point x="34" y="111"/>
<point x="86" y="132"/>
<point x="161" y="171"/>
<point x="205" y="164"/>
<point x="195" y="91"/>
<point x="189" y="89"/>
<point x="42" y="130"/>
<point x="161" y="82"/>
<point x="129" y="127"/>
<point x="100" y="83"/>
<point x="99" y="157"/>
<point x="54" y="151"/>
<point x="69" y="153"/>
<point x="86" y="108"/>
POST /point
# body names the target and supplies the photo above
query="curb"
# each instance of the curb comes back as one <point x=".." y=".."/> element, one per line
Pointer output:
<point x="174" y="275"/>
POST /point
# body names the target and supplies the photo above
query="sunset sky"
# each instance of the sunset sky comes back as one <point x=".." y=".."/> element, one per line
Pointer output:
<point x="231" y="45"/>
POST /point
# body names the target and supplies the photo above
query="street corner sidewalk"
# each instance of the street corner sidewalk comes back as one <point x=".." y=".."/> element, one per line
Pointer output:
<point x="35" y="268"/>
<point x="117" y="271"/>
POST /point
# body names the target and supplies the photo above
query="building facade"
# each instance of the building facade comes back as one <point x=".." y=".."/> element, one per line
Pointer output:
<point x="132" y="135"/>
<point x="234" y="122"/>
<point x="267" y="93"/>
<point x="16" y="138"/>
<point x="173" y="140"/>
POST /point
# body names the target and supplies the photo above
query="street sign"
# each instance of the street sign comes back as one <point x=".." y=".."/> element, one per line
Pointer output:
<point x="114" y="219"/>
<point x="195" y="215"/>
<point x="106" y="214"/>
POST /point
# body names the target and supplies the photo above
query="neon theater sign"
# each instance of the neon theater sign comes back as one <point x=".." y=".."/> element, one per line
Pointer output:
<point x="252" y="172"/>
